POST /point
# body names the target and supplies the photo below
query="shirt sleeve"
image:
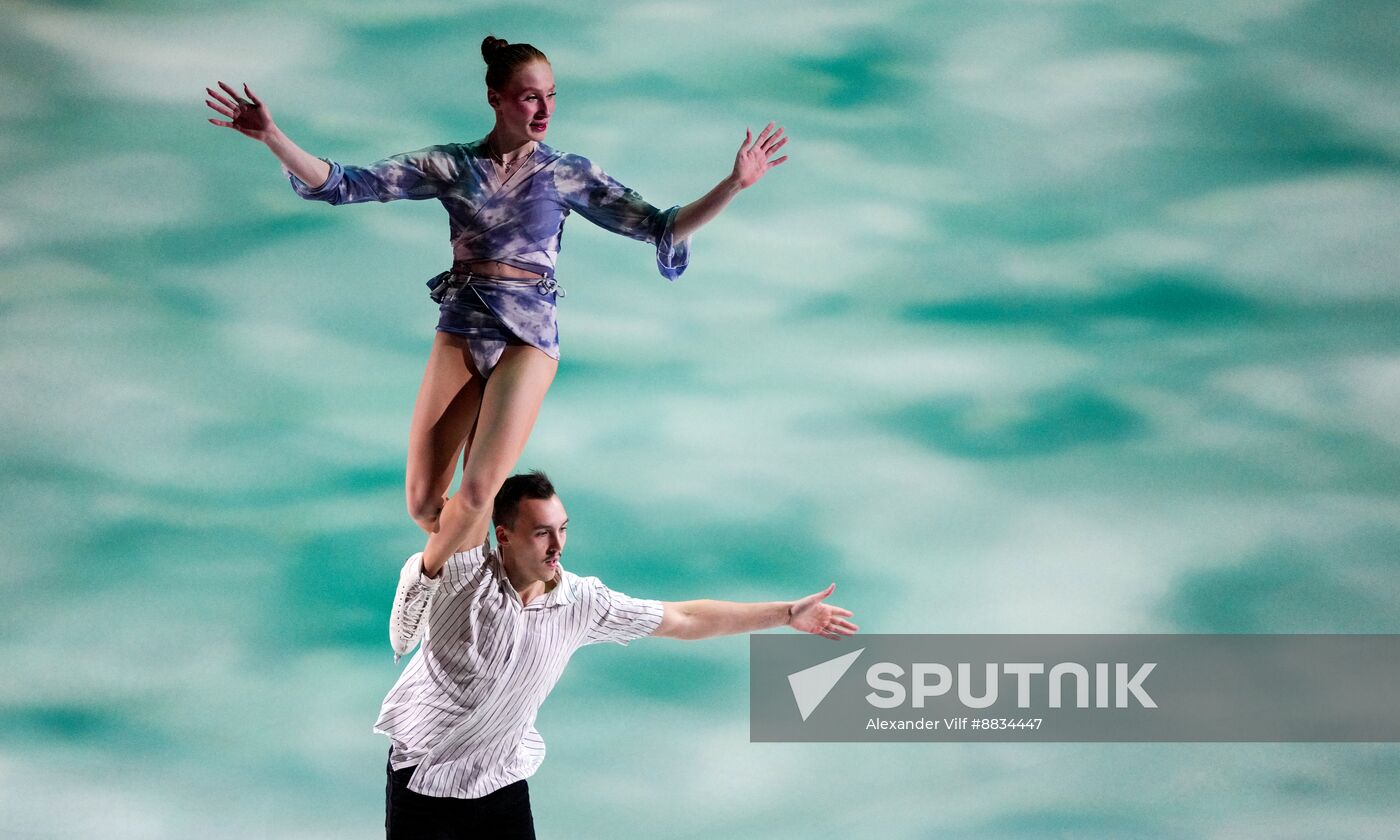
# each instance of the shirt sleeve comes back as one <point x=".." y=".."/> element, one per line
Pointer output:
<point x="412" y="175"/>
<point x="598" y="197"/>
<point x="615" y="617"/>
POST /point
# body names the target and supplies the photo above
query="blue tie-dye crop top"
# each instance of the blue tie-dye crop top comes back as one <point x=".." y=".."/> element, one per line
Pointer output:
<point x="520" y="222"/>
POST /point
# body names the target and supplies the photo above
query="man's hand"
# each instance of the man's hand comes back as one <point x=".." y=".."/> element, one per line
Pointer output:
<point x="810" y="615"/>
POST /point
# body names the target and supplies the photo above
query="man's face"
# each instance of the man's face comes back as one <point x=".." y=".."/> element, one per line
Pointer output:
<point x="536" y="541"/>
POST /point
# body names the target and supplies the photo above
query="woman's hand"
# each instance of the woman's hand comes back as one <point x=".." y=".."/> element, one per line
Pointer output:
<point x="752" y="160"/>
<point x="249" y="117"/>
<point x="749" y="165"/>
<point x="810" y="615"/>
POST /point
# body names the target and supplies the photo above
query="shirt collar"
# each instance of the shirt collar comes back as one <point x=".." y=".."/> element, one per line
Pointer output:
<point x="562" y="594"/>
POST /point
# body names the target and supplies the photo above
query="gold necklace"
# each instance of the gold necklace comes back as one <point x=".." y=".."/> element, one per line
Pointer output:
<point x="501" y="161"/>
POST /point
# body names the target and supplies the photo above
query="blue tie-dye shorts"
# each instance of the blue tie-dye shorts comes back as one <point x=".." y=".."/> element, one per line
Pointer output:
<point x="473" y="305"/>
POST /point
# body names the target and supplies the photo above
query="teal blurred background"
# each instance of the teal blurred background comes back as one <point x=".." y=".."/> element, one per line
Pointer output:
<point x="1062" y="317"/>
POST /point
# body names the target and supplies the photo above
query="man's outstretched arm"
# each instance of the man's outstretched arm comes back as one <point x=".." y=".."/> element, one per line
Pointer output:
<point x="705" y="619"/>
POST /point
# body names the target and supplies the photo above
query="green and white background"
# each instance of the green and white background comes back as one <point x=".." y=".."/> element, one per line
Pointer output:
<point x="1063" y="317"/>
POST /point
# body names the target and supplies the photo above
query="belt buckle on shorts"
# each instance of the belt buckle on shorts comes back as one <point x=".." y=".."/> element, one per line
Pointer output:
<point x="446" y="285"/>
<point x="548" y="285"/>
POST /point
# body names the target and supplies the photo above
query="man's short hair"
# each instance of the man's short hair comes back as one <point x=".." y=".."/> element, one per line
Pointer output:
<point x="531" y="485"/>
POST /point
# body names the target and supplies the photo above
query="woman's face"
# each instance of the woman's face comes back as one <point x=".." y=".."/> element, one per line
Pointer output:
<point x="524" y="106"/>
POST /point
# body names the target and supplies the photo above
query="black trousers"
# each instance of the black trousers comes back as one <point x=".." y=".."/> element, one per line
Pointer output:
<point x="503" y="814"/>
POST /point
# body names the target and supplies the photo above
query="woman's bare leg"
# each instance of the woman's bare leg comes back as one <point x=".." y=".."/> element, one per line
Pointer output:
<point x="443" y="417"/>
<point x="509" y="406"/>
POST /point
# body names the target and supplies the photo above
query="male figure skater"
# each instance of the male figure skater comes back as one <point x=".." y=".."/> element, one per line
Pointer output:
<point x="498" y="627"/>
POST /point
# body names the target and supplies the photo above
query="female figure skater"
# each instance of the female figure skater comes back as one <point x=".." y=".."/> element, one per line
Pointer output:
<point x="497" y="343"/>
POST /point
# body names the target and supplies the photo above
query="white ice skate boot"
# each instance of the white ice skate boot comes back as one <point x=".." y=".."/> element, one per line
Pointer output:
<point x="412" y="599"/>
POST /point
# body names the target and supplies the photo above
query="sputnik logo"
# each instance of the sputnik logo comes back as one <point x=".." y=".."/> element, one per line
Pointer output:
<point x="811" y="685"/>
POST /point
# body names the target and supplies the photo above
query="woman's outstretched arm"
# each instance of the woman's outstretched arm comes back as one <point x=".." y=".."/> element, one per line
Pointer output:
<point x="251" y="118"/>
<point x="749" y="165"/>
<point x="414" y="175"/>
<point x="601" y="199"/>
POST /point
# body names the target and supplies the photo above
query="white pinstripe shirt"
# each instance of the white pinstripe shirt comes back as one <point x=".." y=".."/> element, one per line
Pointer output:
<point x="464" y="708"/>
